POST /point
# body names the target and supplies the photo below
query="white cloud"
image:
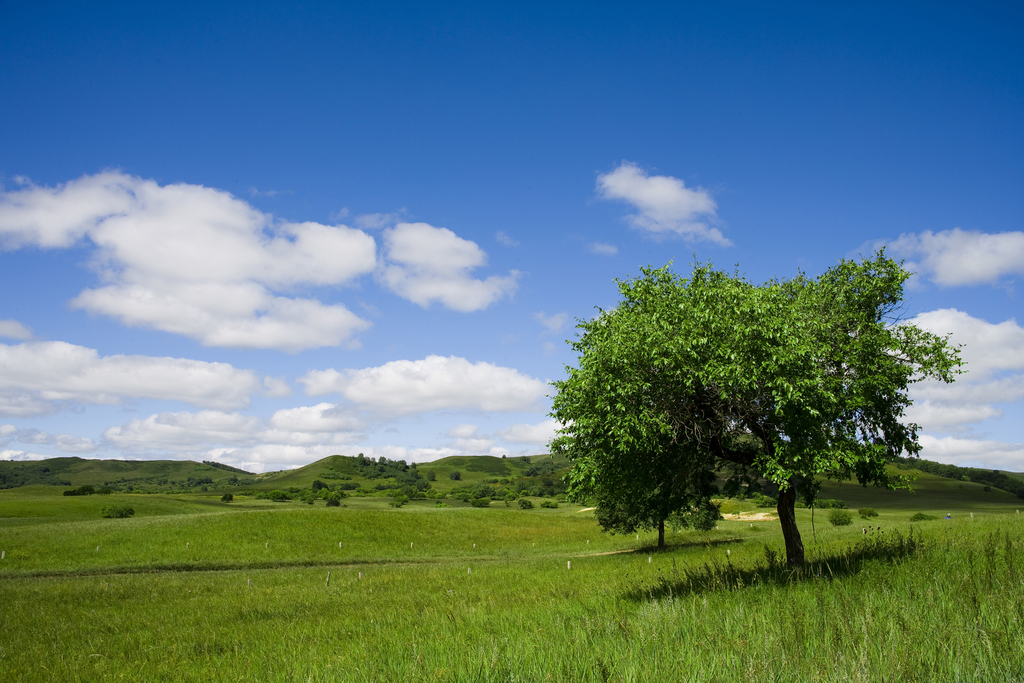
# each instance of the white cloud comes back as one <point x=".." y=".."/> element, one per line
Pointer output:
<point x="425" y="264"/>
<point x="294" y="436"/>
<point x="961" y="257"/>
<point x="553" y="323"/>
<point x="323" y="417"/>
<point x="664" y="204"/>
<point x="992" y="352"/>
<point x="504" y="239"/>
<point x="376" y="221"/>
<point x="12" y="329"/>
<point x="35" y="375"/>
<point x="540" y="434"/>
<point x="957" y="451"/>
<point x="194" y="260"/>
<point x="64" y="442"/>
<point x="405" y="387"/>
<point x="464" y="431"/>
<point x="21" y="456"/>
<point x="603" y="249"/>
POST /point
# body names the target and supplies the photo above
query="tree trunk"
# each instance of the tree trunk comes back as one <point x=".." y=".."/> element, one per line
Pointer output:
<point x="661" y="534"/>
<point x="790" y="532"/>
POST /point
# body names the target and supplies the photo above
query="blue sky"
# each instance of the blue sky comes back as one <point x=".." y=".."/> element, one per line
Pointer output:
<point x="265" y="233"/>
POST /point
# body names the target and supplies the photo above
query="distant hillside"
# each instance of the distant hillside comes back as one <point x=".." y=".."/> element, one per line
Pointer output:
<point x="121" y="474"/>
<point x="382" y="474"/>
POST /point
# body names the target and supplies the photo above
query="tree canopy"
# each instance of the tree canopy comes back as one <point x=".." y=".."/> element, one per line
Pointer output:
<point x="786" y="380"/>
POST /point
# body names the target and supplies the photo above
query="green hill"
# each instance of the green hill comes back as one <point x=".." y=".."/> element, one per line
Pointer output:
<point x="121" y="474"/>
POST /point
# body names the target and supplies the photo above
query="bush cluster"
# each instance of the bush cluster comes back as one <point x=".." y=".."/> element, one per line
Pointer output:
<point x="117" y="511"/>
<point x="839" y="517"/>
<point x="867" y="513"/>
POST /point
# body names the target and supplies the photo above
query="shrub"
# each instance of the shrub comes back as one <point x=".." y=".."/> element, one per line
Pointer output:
<point x="399" y="500"/>
<point x="333" y="503"/>
<point x="455" y="475"/>
<point x="278" y="496"/>
<point x="838" y="517"/>
<point x="480" y="502"/>
<point x="227" y="498"/>
<point x="922" y="517"/>
<point x="867" y="512"/>
<point x="525" y="504"/>
<point x="117" y="511"/>
<point x="431" y="476"/>
<point x="548" y="504"/>
<point x="763" y="501"/>
<point x="84" y="490"/>
<point x="317" y="485"/>
<point x="439" y="504"/>
<point x="106" y="490"/>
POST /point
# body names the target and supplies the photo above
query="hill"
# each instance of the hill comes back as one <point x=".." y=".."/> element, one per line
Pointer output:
<point x="140" y="475"/>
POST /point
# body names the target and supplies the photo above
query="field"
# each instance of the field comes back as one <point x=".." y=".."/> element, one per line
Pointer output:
<point x="195" y="589"/>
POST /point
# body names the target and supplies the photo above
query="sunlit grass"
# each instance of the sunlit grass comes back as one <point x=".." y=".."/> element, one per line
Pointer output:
<point x="241" y="593"/>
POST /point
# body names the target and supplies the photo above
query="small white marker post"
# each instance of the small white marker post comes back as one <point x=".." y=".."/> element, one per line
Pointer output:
<point x="568" y="564"/>
<point x="972" y="515"/>
<point x="474" y="545"/>
<point x="588" y="541"/>
<point x="339" y="544"/>
<point x="3" y="554"/>
<point x="97" y="548"/>
<point x="648" y="559"/>
<point x="469" y="570"/>
<point x="187" y="544"/>
<point x="728" y="553"/>
<point x="360" y="575"/>
<point x="250" y="583"/>
<point x="267" y="544"/>
<point x="410" y="544"/>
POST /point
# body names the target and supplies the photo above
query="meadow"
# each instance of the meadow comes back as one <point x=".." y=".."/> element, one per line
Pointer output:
<point x="195" y="589"/>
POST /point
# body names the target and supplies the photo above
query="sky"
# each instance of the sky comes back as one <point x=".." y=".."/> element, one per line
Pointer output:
<point x="262" y="233"/>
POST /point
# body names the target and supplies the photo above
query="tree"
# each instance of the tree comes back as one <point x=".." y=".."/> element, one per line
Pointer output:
<point x="787" y="380"/>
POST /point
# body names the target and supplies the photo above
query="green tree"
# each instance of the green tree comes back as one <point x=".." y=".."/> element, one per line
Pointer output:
<point x="787" y="380"/>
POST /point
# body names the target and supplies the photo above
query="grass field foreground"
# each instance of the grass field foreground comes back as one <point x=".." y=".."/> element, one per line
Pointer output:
<point x="213" y="594"/>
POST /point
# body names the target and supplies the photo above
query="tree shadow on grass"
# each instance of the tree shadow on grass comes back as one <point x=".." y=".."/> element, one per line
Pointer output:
<point x="773" y="570"/>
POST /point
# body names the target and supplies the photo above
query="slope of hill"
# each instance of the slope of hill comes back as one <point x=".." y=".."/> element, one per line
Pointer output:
<point x="140" y="474"/>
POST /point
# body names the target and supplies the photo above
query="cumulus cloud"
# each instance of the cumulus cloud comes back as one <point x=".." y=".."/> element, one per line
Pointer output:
<point x="21" y="456"/>
<point x="553" y="323"/>
<point x="64" y="442"/>
<point x="12" y="329"/>
<point x="665" y="206"/>
<point x="539" y="434"/>
<point x="425" y="264"/>
<point x="961" y="257"/>
<point x="468" y="439"/>
<point x="504" y="239"/>
<point x="953" y="450"/>
<point x="195" y="261"/>
<point x="992" y="351"/>
<point x="36" y="378"/>
<point x="405" y="387"/>
<point x="603" y="249"/>
<point x="288" y="437"/>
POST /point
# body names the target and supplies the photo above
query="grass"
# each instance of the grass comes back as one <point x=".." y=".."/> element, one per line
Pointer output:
<point x="193" y="589"/>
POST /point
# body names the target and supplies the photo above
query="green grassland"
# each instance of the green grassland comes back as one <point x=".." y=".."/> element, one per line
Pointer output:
<point x="195" y="589"/>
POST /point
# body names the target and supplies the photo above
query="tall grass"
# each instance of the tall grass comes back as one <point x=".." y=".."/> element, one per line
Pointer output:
<point x="944" y="603"/>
